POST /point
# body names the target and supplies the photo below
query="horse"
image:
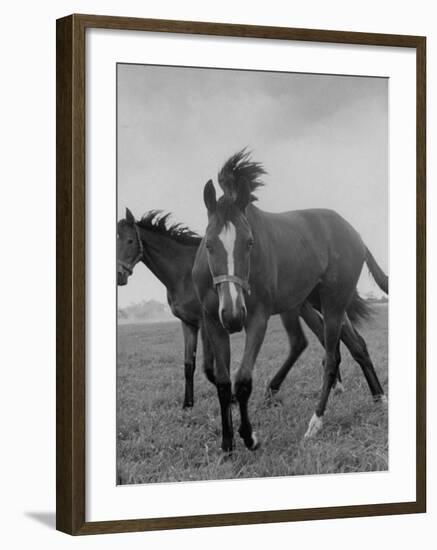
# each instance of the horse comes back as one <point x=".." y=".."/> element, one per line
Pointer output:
<point x="252" y="264"/>
<point x="169" y="252"/>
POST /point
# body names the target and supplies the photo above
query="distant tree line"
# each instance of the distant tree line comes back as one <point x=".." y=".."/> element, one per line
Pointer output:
<point x="147" y="310"/>
<point x="373" y="299"/>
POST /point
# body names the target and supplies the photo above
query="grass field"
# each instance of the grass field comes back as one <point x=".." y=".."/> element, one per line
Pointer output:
<point x="157" y="441"/>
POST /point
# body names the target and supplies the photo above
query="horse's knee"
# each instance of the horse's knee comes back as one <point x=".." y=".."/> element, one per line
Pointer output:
<point x="208" y="369"/>
<point x="330" y="371"/>
<point x="210" y="376"/>
<point x="224" y="390"/>
<point x="243" y="389"/>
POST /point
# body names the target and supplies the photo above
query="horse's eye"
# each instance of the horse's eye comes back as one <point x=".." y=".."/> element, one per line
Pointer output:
<point x="250" y="243"/>
<point x="209" y="247"/>
<point x="130" y="241"/>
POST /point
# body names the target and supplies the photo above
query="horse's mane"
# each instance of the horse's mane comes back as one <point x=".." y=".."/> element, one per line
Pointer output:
<point x="158" y="222"/>
<point x="240" y="170"/>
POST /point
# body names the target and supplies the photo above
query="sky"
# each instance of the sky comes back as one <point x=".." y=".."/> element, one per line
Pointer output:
<point x="323" y="140"/>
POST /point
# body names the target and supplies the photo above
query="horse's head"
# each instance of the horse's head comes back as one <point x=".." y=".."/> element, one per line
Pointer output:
<point x="129" y="247"/>
<point x="229" y="242"/>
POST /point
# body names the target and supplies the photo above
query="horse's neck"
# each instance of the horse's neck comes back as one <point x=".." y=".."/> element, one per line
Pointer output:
<point x="167" y="259"/>
<point x="256" y="219"/>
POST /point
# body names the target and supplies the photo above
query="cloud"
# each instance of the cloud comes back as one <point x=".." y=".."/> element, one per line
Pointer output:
<point x="323" y="140"/>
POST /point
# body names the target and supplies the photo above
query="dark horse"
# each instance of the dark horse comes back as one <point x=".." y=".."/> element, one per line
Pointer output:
<point x="169" y="252"/>
<point x="252" y="264"/>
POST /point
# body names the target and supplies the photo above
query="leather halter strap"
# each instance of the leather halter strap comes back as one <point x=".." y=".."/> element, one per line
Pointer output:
<point x="231" y="279"/>
<point x="129" y="267"/>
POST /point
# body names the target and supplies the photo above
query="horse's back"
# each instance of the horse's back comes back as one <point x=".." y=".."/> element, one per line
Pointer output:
<point x="321" y="242"/>
<point x="319" y="226"/>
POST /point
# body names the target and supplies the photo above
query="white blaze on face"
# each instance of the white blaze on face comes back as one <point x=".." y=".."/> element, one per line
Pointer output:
<point x="227" y="237"/>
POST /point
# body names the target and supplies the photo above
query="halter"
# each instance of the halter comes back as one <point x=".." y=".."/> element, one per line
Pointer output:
<point x="231" y="279"/>
<point x="129" y="267"/>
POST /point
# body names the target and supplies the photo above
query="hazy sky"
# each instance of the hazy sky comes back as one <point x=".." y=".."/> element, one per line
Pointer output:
<point x="322" y="139"/>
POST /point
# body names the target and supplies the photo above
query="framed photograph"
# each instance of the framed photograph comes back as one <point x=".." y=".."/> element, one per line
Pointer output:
<point x="232" y="204"/>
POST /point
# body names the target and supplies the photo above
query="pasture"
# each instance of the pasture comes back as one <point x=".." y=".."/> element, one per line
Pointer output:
<point x="158" y="441"/>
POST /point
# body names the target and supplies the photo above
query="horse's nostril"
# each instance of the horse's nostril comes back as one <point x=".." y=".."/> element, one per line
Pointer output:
<point x="234" y="325"/>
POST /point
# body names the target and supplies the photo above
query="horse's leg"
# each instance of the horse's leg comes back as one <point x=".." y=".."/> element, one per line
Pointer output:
<point x="355" y="344"/>
<point x="314" y="321"/>
<point x="190" y="340"/>
<point x="208" y="356"/>
<point x="334" y="303"/>
<point x="255" y="331"/>
<point x="358" y="349"/>
<point x="219" y="340"/>
<point x="298" y="343"/>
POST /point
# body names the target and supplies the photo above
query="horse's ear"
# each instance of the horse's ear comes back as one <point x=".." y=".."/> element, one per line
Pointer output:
<point x="209" y="197"/>
<point x="130" y="217"/>
<point x="243" y="197"/>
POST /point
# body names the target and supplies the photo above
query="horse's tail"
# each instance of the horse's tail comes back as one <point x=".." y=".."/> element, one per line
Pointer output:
<point x="377" y="273"/>
<point x="358" y="309"/>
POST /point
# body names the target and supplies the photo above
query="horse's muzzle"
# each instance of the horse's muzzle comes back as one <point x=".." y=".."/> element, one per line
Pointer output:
<point x="122" y="277"/>
<point x="233" y="322"/>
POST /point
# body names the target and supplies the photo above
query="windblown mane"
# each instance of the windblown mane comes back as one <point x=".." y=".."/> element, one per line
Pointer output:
<point x="157" y="221"/>
<point x="240" y="170"/>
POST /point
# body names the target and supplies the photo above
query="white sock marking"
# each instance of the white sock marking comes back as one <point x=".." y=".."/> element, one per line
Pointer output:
<point x="227" y="236"/>
<point x="314" y="426"/>
<point x="255" y="440"/>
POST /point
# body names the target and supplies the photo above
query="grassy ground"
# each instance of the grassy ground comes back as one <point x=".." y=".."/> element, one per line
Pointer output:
<point x="159" y="442"/>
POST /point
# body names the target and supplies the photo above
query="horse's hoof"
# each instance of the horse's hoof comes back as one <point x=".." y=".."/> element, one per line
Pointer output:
<point x="225" y="457"/>
<point x="227" y="447"/>
<point x="255" y="444"/>
<point x="314" y="426"/>
<point x="188" y="405"/>
<point x="381" y="400"/>
<point x="251" y="441"/>
<point x="338" y="388"/>
<point x="271" y="397"/>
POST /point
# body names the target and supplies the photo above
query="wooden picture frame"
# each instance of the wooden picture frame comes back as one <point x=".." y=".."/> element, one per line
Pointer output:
<point x="71" y="248"/>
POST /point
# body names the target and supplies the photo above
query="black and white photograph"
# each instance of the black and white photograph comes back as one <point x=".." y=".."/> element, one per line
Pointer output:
<point x="218" y="299"/>
<point x="252" y="239"/>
